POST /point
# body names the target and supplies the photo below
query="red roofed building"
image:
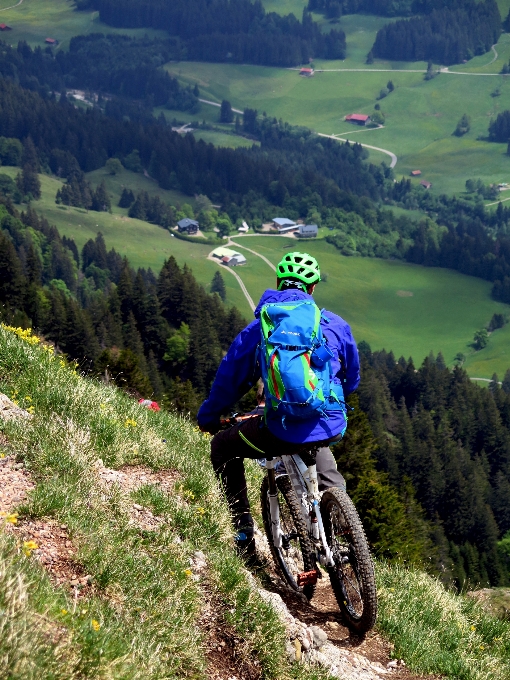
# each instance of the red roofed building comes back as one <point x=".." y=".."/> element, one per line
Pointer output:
<point x="51" y="41"/>
<point x="307" y="72"/>
<point x="426" y="184"/>
<point x="415" y="173"/>
<point x="4" y="27"/>
<point x="358" y="118"/>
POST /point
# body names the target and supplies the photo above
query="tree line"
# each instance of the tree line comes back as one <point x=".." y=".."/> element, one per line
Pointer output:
<point x="446" y="36"/>
<point x="238" y="31"/>
<point x="444" y="444"/>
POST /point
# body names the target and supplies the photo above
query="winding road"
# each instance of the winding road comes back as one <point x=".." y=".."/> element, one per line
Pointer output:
<point x="367" y="146"/>
<point x="11" y="7"/>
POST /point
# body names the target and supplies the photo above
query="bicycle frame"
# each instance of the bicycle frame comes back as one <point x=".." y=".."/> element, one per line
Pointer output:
<point x="304" y="482"/>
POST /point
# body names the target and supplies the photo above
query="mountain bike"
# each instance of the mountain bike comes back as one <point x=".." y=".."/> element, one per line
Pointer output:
<point x="309" y="531"/>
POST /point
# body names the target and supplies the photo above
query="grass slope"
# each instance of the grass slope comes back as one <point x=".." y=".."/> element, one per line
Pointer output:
<point x="142" y="619"/>
<point x="442" y="314"/>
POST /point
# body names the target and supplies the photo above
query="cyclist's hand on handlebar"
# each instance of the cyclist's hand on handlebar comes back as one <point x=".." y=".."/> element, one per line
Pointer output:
<point x="211" y="428"/>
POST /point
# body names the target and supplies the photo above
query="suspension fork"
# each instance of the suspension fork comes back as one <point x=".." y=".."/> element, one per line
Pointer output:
<point x="274" y="508"/>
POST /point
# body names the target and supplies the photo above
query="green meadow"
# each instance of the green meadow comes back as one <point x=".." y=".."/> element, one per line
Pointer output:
<point x="409" y="309"/>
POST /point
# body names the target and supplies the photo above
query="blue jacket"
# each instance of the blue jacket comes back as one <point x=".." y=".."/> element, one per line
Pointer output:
<point x="239" y="371"/>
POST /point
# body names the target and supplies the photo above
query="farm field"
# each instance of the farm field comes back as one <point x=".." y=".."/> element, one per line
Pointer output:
<point x="393" y="305"/>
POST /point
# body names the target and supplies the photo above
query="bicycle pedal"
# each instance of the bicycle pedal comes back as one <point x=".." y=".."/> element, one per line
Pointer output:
<point x="306" y="578"/>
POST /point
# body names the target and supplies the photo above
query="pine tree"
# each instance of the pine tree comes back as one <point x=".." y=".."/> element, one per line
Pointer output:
<point x="218" y="286"/>
<point x="126" y="199"/>
<point x="226" y="113"/>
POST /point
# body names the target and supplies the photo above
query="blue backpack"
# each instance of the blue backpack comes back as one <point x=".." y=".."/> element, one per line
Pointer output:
<point x="295" y="362"/>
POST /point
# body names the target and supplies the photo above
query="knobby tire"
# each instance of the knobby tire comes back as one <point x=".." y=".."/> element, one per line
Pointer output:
<point x="300" y="557"/>
<point x="352" y="578"/>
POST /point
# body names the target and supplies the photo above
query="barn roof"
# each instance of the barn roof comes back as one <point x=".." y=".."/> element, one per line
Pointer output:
<point x="357" y="116"/>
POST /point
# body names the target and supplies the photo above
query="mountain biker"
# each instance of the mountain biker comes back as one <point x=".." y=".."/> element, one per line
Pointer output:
<point x="266" y="435"/>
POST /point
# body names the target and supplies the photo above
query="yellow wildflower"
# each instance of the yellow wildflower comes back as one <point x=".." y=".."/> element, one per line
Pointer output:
<point x="28" y="546"/>
<point x="102" y="406"/>
<point x="95" y="625"/>
<point x="482" y="647"/>
<point x="23" y="334"/>
<point x="28" y="398"/>
<point x="188" y="573"/>
<point x="2" y="455"/>
<point x="472" y="628"/>
<point x="12" y="518"/>
<point x="62" y="363"/>
<point x="201" y="511"/>
<point x="30" y="409"/>
<point x="130" y="422"/>
<point x="63" y="612"/>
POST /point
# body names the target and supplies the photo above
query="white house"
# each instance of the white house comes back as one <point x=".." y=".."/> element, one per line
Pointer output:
<point x="228" y="257"/>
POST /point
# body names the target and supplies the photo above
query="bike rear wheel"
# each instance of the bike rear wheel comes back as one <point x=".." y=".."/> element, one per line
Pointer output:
<point x="352" y="578"/>
<point x="296" y="556"/>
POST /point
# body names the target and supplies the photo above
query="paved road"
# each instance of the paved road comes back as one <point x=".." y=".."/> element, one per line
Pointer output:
<point x="485" y="380"/>
<point x="367" y="146"/>
<point x="206" y="101"/>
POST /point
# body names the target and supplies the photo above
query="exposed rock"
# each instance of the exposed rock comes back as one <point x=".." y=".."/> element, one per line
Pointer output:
<point x="9" y="410"/>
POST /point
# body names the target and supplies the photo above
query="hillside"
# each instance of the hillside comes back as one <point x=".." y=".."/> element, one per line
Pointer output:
<point x="117" y="560"/>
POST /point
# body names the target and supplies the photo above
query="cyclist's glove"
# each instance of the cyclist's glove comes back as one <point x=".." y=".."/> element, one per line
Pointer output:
<point x="212" y="428"/>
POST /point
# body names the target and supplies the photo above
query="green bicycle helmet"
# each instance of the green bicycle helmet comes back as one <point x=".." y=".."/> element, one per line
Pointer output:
<point x="298" y="266"/>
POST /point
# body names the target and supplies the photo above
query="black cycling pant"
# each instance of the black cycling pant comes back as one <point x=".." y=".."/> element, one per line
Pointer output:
<point x="228" y="449"/>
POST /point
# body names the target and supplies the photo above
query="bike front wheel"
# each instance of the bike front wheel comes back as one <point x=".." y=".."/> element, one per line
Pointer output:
<point x="352" y="577"/>
<point x="296" y="556"/>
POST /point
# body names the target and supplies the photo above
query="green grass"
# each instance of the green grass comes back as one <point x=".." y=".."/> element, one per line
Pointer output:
<point x="36" y="20"/>
<point x="438" y="632"/>
<point x="443" y="313"/>
<point x="146" y="605"/>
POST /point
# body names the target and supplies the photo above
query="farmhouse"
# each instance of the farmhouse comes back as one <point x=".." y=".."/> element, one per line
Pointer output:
<point x="243" y="228"/>
<point x="187" y="225"/>
<point x="284" y="225"/>
<point x="4" y="27"/>
<point x="415" y="173"/>
<point x="228" y="257"/>
<point x="307" y="72"/>
<point x="358" y="118"/>
<point x="51" y="41"/>
<point x="308" y="230"/>
<point x="426" y="184"/>
<point x="279" y="222"/>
